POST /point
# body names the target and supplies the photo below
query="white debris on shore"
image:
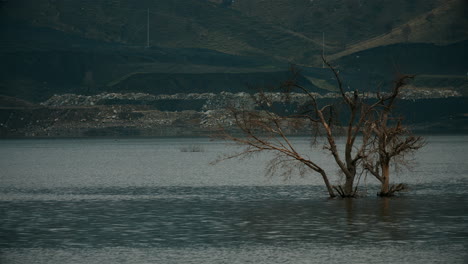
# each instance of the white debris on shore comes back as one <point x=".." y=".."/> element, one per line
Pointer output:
<point x="220" y="100"/>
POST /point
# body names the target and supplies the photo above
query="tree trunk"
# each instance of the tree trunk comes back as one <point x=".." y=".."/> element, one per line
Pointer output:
<point x="327" y="184"/>
<point x="348" y="187"/>
<point x="385" y="179"/>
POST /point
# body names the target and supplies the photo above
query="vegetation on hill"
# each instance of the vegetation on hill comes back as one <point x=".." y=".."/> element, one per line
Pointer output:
<point x="283" y="29"/>
<point x="88" y="47"/>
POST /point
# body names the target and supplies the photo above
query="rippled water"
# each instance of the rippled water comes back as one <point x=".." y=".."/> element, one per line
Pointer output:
<point x="149" y="201"/>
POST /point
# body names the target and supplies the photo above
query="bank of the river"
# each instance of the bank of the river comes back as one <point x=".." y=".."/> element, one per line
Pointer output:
<point x="144" y="115"/>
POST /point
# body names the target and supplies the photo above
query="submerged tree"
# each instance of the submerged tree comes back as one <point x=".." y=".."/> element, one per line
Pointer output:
<point x="389" y="141"/>
<point x="264" y="129"/>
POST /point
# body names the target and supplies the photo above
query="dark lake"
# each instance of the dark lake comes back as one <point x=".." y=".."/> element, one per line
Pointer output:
<point x="160" y="201"/>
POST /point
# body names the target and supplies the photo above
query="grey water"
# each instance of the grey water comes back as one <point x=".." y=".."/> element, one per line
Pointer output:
<point x="156" y="201"/>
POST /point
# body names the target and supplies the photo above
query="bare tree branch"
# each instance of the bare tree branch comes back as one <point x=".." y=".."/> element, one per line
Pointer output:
<point x="382" y="139"/>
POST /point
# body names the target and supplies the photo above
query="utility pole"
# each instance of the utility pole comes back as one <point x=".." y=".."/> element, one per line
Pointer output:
<point x="147" y="30"/>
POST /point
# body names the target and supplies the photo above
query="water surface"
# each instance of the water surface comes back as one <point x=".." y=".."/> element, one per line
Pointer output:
<point x="150" y="201"/>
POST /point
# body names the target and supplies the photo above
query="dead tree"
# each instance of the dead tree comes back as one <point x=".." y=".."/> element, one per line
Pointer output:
<point x="263" y="130"/>
<point x="389" y="141"/>
<point x="357" y="112"/>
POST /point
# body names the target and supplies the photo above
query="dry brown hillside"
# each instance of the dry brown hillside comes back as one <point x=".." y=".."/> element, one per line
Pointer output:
<point x="442" y="25"/>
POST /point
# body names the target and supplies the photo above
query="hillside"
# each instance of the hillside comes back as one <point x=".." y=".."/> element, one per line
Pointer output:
<point x="289" y="30"/>
<point x="87" y="47"/>
<point x="444" y="25"/>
